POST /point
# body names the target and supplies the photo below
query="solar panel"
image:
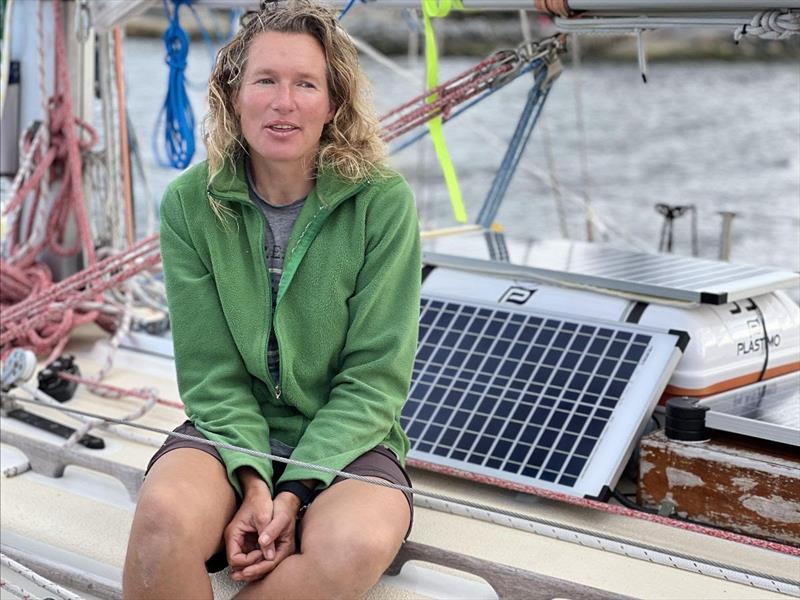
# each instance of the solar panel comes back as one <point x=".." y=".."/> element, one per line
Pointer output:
<point x="662" y="275"/>
<point x="529" y="397"/>
<point x="768" y="410"/>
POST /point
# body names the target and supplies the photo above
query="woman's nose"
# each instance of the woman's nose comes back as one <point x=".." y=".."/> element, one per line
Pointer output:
<point x="283" y="99"/>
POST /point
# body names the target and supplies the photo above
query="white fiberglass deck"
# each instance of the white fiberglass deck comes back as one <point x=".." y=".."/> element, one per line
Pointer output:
<point x="82" y="519"/>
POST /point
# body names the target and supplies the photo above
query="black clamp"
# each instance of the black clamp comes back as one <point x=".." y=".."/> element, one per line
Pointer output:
<point x="55" y="386"/>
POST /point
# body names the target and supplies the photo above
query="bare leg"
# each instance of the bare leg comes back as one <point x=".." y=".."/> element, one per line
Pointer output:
<point x="350" y="535"/>
<point x="184" y="506"/>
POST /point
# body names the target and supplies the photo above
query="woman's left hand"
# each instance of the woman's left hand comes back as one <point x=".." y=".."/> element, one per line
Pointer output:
<point x="276" y="539"/>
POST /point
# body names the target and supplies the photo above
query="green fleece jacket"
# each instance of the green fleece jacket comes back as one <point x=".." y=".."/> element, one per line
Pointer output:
<point x="346" y="318"/>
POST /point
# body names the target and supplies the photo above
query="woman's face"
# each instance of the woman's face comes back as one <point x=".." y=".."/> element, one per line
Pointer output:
<point x="283" y="100"/>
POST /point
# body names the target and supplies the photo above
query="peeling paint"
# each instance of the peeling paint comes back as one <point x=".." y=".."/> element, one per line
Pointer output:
<point x="774" y="507"/>
<point x="743" y="483"/>
<point x="679" y="477"/>
<point x="645" y="467"/>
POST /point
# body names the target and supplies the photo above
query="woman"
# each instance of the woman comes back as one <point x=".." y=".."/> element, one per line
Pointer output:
<point x="291" y="259"/>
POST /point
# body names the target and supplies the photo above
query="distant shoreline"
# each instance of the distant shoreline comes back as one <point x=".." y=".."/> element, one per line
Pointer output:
<point x="389" y="33"/>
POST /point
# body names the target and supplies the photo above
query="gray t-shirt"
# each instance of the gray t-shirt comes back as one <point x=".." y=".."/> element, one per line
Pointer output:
<point x="279" y="223"/>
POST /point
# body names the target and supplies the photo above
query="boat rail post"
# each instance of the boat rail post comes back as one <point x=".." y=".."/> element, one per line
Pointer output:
<point x="726" y="234"/>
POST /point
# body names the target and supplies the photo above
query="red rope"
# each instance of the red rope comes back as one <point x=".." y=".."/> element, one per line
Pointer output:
<point x="449" y="94"/>
<point x="45" y="317"/>
<point x="61" y="161"/>
<point x="117" y="391"/>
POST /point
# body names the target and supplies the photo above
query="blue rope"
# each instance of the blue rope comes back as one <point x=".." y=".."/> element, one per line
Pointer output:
<point x="516" y="147"/>
<point x="176" y="112"/>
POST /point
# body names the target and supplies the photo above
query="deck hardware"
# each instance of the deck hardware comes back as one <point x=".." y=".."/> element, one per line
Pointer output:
<point x="55" y="386"/>
<point x="19" y="366"/>
<point x="88" y="441"/>
<point x="51" y="460"/>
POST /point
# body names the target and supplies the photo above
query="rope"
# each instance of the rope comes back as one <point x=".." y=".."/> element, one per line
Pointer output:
<point x="90" y="422"/>
<point x="551" y="495"/>
<point x="17" y="591"/>
<point x="44" y="318"/>
<point x="558" y="8"/>
<point x="42" y="582"/>
<point x="770" y="25"/>
<point x="113" y="392"/>
<point x="176" y="113"/>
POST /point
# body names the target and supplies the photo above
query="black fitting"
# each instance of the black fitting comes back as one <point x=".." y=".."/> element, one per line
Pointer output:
<point x="685" y="420"/>
<point x="55" y="386"/>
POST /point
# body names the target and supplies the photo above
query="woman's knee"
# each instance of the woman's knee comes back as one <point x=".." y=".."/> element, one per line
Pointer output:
<point x="350" y="558"/>
<point x="162" y="518"/>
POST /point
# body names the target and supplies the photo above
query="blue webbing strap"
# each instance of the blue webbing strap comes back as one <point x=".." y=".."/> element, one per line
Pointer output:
<point x="176" y="113"/>
<point x="516" y="147"/>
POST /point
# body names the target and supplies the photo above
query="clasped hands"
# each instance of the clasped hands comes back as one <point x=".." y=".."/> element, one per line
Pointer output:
<point x="262" y="532"/>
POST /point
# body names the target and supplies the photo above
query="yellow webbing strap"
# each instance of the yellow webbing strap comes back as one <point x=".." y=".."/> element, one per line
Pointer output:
<point x="438" y="9"/>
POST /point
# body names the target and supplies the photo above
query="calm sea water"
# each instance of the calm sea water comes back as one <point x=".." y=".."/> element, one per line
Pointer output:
<point x="717" y="135"/>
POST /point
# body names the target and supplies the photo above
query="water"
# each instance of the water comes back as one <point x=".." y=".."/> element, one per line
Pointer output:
<point x="722" y="136"/>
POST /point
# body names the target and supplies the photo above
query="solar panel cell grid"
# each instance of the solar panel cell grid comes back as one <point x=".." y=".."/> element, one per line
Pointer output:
<point x="515" y="392"/>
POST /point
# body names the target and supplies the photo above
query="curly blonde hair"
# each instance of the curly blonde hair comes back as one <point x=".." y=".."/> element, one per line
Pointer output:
<point x="350" y="142"/>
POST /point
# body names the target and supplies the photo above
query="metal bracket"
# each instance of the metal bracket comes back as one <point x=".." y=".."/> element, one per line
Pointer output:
<point x="51" y="460"/>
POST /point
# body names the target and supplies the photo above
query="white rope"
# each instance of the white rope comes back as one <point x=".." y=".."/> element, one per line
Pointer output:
<point x="101" y="423"/>
<point x="42" y="582"/>
<point x="17" y="591"/>
<point x="112" y="221"/>
<point x="771" y="25"/>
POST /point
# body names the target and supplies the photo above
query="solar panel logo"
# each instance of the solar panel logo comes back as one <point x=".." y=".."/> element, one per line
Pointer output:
<point x="531" y="398"/>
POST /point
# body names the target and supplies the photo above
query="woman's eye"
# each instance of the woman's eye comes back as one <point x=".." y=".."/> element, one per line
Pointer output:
<point x="265" y="80"/>
<point x="306" y="84"/>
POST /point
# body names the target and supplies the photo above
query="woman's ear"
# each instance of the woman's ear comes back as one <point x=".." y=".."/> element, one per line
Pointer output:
<point x="331" y="114"/>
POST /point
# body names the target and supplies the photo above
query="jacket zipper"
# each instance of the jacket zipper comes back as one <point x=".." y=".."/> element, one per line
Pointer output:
<point x="276" y="387"/>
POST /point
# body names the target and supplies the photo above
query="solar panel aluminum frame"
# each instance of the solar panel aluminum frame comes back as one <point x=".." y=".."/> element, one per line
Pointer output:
<point x="627" y="421"/>
<point x="717" y="294"/>
<point x="785" y="388"/>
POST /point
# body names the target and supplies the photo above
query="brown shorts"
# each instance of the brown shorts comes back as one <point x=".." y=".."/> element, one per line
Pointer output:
<point x="378" y="462"/>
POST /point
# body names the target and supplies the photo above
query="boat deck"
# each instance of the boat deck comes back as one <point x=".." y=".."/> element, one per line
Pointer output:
<point x="82" y="519"/>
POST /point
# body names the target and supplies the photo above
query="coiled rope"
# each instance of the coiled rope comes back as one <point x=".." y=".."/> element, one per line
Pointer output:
<point x="176" y="115"/>
<point x="770" y="25"/>
<point x="44" y="318"/>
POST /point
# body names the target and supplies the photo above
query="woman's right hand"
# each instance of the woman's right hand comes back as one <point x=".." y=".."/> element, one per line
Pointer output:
<point x="242" y="534"/>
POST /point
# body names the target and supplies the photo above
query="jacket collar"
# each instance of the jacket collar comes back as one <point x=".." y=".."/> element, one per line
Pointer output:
<point x="231" y="185"/>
